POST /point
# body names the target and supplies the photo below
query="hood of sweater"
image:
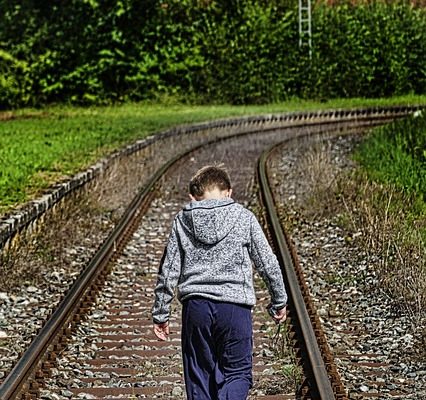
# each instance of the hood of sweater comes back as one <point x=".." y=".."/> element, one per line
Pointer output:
<point x="209" y="221"/>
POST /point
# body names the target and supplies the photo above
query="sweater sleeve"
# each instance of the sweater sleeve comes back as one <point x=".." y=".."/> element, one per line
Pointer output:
<point x="168" y="276"/>
<point x="266" y="264"/>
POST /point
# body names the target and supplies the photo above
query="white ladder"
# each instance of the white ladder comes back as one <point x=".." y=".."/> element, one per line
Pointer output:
<point x="305" y="25"/>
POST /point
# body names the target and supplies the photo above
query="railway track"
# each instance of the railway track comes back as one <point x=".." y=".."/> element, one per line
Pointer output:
<point x="99" y="343"/>
<point x="322" y="379"/>
<point x="362" y="322"/>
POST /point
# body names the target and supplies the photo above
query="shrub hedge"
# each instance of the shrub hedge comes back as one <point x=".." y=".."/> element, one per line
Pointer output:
<point x="396" y="154"/>
<point x="235" y="51"/>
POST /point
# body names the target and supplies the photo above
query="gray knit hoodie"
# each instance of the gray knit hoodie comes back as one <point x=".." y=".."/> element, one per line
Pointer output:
<point x="209" y="254"/>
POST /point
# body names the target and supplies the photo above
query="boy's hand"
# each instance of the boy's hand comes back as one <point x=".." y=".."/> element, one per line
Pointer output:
<point x="277" y="315"/>
<point x="162" y="330"/>
<point x="280" y="315"/>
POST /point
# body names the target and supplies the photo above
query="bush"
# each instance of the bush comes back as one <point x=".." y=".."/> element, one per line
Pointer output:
<point x="209" y="50"/>
<point x="13" y="80"/>
<point x="396" y="153"/>
<point x="369" y="50"/>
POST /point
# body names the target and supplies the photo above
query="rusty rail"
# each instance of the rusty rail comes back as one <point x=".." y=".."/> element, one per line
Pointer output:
<point x="322" y="384"/>
<point x="60" y="320"/>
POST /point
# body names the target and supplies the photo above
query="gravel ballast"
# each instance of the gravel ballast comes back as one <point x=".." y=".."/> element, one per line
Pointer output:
<point x="370" y="334"/>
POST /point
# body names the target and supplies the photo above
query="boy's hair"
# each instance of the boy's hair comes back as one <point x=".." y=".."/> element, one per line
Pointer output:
<point x="209" y="177"/>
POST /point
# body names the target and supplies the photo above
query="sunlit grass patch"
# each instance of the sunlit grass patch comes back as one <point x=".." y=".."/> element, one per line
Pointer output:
<point x="40" y="147"/>
<point x="396" y="153"/>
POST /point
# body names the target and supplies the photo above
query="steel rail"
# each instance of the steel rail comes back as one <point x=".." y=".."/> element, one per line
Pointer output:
<point x="13" y="383"/>
<point x="16" y="379"/>
<point x="316" y="366"/>
<point x="21" y="220"/>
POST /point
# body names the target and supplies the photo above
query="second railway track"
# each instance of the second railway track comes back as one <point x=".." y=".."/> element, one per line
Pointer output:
<point x="104" y="347"/>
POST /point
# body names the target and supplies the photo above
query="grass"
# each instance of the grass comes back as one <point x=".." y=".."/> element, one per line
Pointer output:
<point x="379" y="212"/>
<point x="40" y="147"/>
<point x="391" y="207"/>
<point x="396" y="153"/>
<point x="393" y="235"/>
<point x="283" y="347"/>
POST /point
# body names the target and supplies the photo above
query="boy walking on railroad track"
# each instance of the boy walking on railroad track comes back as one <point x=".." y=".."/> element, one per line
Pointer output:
<point x="209" y="256"/>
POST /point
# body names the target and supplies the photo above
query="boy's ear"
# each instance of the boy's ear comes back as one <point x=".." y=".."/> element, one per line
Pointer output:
<point x="230" y="193"/>
<point x="192" y="197"/>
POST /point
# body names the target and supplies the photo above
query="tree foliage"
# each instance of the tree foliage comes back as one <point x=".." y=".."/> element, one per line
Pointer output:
<point x="236" y="51"/>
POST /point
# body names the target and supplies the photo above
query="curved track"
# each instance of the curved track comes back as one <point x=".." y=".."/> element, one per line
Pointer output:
<point x="107" y="309"/>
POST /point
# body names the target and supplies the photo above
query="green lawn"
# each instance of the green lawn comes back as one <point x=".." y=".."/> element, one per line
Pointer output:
<point x="39" y="147"/>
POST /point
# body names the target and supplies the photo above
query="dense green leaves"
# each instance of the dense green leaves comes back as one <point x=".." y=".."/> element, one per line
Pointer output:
<point x="396" y="153"/>
<point x="13" y="74"/>
<point x="212" y="50"/>
<point x="371" y="50"/>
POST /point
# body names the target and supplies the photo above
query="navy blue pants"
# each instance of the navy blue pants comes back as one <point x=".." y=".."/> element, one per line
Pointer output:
<point x="217" y="343"/>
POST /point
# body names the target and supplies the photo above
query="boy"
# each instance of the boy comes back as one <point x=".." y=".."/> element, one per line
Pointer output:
<point x="209" y="258"/>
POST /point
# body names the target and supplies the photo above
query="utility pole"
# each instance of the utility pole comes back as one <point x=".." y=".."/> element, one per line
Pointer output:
<point x="305" y="25"/>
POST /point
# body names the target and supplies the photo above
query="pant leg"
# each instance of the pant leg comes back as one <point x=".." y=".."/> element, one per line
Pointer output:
<point x="234" y="338"/>
<point x="199" y="359"/>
